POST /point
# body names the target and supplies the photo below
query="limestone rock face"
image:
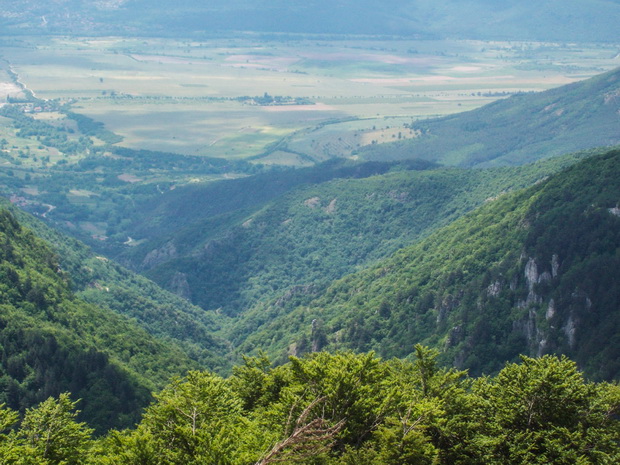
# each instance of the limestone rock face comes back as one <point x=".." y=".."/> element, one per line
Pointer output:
<point x="158" y="256"/>
<point x="180" y="286"/>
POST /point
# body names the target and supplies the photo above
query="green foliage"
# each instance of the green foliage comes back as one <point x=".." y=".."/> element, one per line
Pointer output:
<point x="350" y="388"/>
<point x="197" y="420"/>
<point x="544" y="412"/>
<point x="52" y="342"/>
<point x="52" y="433"/>
<point x="486" y="287"/>
<point x="357" y="409"/>
<point x="46" y="134"/>
<point x="49" y="434"/>
<point x="232" y="258"/>
<point x="90" y="127"/>
<point x="106" y="284"/>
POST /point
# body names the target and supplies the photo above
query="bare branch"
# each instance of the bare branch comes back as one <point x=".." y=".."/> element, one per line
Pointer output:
<point x="307" y="438"/>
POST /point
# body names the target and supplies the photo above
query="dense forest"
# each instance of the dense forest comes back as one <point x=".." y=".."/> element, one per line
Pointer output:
<point x="103" y="282"/>
<point x="531" y="272"/>
<point x="342" y="408"/>
<point x="449" y="298"/>
<point x="52" y="341"/>
<point x="220" y="251"/>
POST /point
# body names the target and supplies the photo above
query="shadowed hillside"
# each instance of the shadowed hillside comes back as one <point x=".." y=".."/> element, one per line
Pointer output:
<point x="53" y="342"/>
<point x="231" y="244"/>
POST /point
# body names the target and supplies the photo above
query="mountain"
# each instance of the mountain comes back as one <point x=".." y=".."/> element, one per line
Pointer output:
<point x="292" y="244"/>
<point x="531" y="272"/>
<point x="479" y="19"/>
<point x="518" y="129"/>
<point x="52" y="341"/>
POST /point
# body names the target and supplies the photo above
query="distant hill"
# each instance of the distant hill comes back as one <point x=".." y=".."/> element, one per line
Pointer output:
<point x="52" y="341"/>
<point x="518" y="129"/>
<point x="576" y="20"/>
<point x="532" y="272"/>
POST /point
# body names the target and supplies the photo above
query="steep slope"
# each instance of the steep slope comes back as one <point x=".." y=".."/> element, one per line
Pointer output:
<point x="508" y="19"/>
<point x="532" y="272"/>
<point x="103" y="282"/>
<point x="51" y="341"/>
<point x="315" y="233"/>
<point x="519" y="129"/>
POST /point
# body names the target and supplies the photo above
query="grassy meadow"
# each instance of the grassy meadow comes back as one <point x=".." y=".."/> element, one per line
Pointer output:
<point x="187" y="97"/>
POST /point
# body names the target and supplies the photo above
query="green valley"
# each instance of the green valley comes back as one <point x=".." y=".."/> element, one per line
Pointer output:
<point x="230" y="255"/>
<point x="313" y="233"/>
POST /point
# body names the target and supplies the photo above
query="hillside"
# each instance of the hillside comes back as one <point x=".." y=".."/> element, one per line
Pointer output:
<point x="52" y="342"/>
<point x="102" y="282"/>
<point x="292" y="244"/>
<point x="532" y="272"/>
<point x="480" y="19"/>
<point x="518" y="129"/>
<point x="179" y="207"/>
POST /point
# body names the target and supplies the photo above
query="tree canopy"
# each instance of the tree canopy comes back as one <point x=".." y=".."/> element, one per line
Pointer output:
<point x="343" y="408"/>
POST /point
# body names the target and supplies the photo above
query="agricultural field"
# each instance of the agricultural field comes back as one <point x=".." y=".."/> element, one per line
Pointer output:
<point x="289" y="100"/>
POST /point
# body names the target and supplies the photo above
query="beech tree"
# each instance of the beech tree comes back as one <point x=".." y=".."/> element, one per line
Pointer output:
<point x="542" y="411"/>
<point x="343" y="409"/>
<point x="48" y="435"/>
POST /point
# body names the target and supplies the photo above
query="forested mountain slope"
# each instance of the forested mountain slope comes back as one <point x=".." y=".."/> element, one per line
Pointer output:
<point x="532" y="272"/>
<point x="184" y="205"/>
<point x="299" y="241"/>
<point x="518" y="129"/>
<point x="52" y="341"/>
<point x="103" y="282"/>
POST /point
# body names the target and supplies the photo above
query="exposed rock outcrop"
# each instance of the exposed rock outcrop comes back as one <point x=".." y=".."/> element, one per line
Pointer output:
<point x="180" y="286"/>
<point x="158" y="256"/>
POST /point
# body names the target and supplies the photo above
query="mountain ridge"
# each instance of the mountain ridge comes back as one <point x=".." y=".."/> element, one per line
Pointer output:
<point x="52" y="341"/>
<point x="313" y="232"/>
<point x="510" y="20"/>
<point x="104" y="283"/>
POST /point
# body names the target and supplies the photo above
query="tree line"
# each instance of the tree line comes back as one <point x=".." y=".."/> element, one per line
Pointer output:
<point x="343" y="408"/>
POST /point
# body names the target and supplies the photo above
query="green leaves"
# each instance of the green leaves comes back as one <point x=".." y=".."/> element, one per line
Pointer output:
<point x="48" y="435"/>
<point x="53" y="342"/>
<point x="528" y="273"/>
<point x="344" y="408"/>
<point x="52" y="432"/>
<point x="543" y="411"/>
<point x="199" y="420"/>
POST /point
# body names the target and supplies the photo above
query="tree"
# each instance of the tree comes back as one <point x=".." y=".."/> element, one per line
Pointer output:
<point x="50" y="431"/>
<point x="198" y="420"/>
<point x="352" y="386"/>
<point x="542" y="411"/>
<point x="8" y="450"/>
<point x="306" y="438"/>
